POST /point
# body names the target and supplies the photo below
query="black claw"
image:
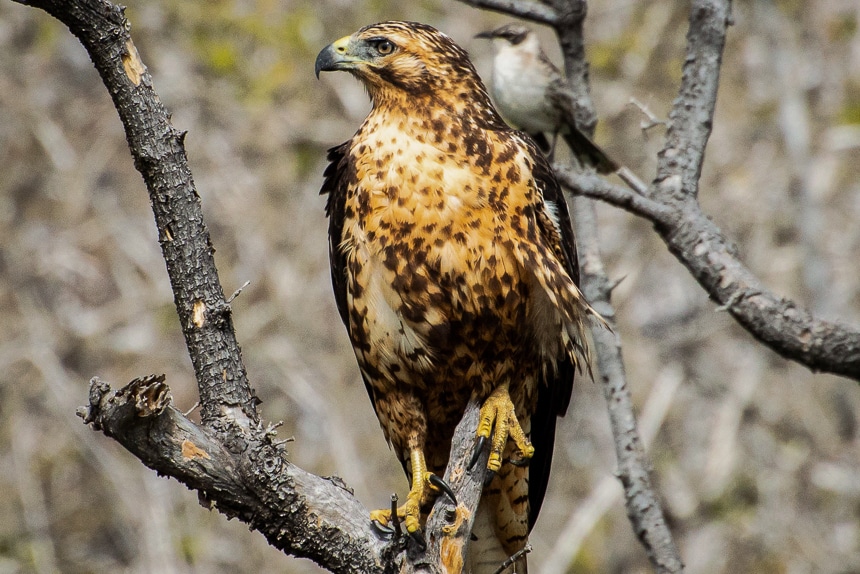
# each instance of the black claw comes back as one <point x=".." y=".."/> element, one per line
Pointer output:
<point x="385" y="532"/>
<point x="418" y="538"/>
<point x="476" y="454"/>
<point x="443" y="486"/>
<point x="488" y="478"/>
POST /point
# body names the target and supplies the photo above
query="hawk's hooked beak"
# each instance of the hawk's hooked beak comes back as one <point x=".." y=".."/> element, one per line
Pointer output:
<point x="334" y="57"/>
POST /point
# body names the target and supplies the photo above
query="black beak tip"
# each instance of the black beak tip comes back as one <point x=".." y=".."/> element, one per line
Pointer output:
<point x="324" y="62"/>
<point x="486" y="35"/>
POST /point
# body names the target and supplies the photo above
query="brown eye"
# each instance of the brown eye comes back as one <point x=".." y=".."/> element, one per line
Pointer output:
<point x="384" y="47"/>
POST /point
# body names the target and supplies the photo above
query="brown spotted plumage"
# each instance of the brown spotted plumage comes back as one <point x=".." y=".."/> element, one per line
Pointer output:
<point x="455" y="273"/>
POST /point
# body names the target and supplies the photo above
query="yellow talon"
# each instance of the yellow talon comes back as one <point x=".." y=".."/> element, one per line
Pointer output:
<point x="423" y="490"/>
<point x="498" y="411"/>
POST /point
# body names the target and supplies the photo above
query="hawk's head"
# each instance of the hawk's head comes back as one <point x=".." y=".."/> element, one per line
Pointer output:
<point x="406" y="57"/>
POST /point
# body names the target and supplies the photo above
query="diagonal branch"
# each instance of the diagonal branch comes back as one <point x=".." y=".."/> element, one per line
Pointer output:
<point x="697" y="242"/>
<point x="159" y="155"/>
<point x="595" y="187"/>
<point x="643" y="506"/>
<point x="298" y="512"/>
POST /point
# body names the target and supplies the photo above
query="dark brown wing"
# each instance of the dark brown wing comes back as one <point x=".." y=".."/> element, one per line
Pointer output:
<point x="334" y="185"/>
<point x="335" y="179"/>
<point x="556" y="386"/>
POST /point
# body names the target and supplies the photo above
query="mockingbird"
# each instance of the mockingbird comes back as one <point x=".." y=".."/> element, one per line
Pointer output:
<point x="522" y="80"/>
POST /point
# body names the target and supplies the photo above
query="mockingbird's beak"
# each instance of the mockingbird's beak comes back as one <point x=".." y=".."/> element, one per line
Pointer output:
<point x="489" y="35"/>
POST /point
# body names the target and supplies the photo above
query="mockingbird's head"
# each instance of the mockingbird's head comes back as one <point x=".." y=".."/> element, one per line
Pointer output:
<point x="512" y="34"/>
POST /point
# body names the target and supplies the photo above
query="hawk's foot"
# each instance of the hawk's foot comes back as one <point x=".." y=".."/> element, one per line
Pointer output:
<point x="425" y="487"/>
<point x="497" y="422"/>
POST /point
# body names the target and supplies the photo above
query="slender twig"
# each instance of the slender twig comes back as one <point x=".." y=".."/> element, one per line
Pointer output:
<point x="643" y="505"/>
<point x="595" y="187"/>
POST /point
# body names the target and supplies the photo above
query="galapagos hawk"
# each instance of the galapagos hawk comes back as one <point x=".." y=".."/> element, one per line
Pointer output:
<point x="455" y="272"/>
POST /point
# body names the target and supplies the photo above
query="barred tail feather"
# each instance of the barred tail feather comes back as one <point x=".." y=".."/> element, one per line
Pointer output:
<point x="486" y="554"/>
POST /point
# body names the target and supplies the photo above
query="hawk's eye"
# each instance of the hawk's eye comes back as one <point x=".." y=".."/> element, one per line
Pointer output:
<point x="384" y="47"/>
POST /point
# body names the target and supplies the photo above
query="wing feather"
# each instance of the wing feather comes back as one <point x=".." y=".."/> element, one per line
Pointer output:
<point x="556" y="386"/>
<point x="335" y="178"/>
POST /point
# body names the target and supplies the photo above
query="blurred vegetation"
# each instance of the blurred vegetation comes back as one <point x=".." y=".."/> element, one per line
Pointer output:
<point x="757" y="459"/>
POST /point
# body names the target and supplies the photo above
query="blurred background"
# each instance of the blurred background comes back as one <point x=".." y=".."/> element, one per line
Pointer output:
<point x="756" y="459"/>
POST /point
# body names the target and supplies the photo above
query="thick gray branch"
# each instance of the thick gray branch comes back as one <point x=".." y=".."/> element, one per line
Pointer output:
<point x="159" y="155"/>
<point x="298" y="512"/>
<point x="697" y="242"/>
<point x="528" y="9"/>
<point x="781" y="324"/>
<point x="448" y="529"/>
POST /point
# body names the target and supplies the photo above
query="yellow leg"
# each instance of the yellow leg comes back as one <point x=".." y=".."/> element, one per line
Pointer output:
<point x="498" y="417"/>
<point x="425" y="487"/>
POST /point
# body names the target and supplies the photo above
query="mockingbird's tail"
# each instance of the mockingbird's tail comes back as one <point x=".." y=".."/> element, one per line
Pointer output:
<point x="588" y="152"/>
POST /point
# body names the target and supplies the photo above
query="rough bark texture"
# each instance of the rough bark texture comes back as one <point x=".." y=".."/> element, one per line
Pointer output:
<point x="298" y="512"/>
<point x="159" y="154"/>
<point x="696" y="241"/>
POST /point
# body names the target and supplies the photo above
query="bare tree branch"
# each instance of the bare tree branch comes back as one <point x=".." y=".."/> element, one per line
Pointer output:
<point x="691" y="118"/>
<point x="159" y="155"/>
<point x="702" y="247"/>
<point x="298" y="512"/>
<point x="449" y="529"/>
<point x="528" y="9"/>
<point x="595" y="187"/>
<point x="697" y="242"/>
<point x="643" y="506"/>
